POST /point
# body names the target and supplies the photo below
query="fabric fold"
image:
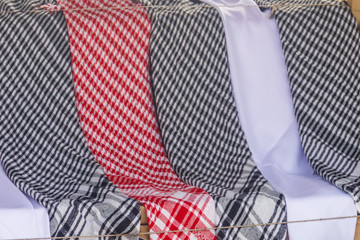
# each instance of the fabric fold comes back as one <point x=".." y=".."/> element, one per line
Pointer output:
<point x="42" y="147"/>
<point x="110" y="56"/>
<point x="198" y="118"/>
<point x="321" y="45"/>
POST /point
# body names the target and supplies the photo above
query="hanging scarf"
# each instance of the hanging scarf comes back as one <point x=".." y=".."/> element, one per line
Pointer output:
<point x="321" y="46"/>
<point x="42" y="147"/>
<point x="198" y="118"/>
<point x="110" y="66"/>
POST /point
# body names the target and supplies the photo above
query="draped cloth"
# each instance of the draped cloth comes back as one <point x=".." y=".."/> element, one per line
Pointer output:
<point x="42" y="147"/>
<point x="266" y="113"/>
<point x="321" y="47"/>
<point x="110" y="66"/>
<point x="198" y="118"/>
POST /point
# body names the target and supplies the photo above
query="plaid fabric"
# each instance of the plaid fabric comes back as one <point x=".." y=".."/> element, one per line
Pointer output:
<point x="198" y="118"/>
<point x="110" y="66"/>
<point x="42" y="147"/>
<point x="322" y="50"/>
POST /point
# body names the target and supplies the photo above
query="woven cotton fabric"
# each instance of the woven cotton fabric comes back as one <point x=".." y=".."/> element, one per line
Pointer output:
<point x="110" y="65"/>
<point x="198" y="118"/>
<point x="322" y="50"/>
<point x="42" y="147"/>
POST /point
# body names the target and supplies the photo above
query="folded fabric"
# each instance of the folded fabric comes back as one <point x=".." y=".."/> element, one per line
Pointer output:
<point x="198" y="118"/>
<point x="263" y="99"/>
<point x="21" y="216"/>
<point x="111" y="73"/>
<point x="321" y="46"/>
<point x="42" y="147"/>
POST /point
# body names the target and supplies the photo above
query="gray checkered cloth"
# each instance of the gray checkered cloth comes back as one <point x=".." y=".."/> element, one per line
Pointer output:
<point x="322" y="50"/>
<point x="198" y="118"/>
<point x="42" y="147"/>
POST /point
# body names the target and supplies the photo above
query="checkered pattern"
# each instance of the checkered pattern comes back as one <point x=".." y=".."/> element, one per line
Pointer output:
<point x="42" y="147"/>
<point x="198" y="119"/>
<point x="110" y="67"/>
<point x="322" y="50"/>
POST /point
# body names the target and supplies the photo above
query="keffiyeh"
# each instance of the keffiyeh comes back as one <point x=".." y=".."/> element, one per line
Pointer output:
<point x="198" y="119"/>
<point x="42" y="147"/>
<point x="110" y="66"/>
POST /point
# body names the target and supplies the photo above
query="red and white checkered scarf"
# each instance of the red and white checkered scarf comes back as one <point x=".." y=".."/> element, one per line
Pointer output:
<point x="109" y="49"/>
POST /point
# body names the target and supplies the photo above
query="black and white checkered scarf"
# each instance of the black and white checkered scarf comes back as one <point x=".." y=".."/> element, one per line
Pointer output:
<point x="322" y="50"/>
<point x="42" y="147"/>
<point x="198" y="118"/>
